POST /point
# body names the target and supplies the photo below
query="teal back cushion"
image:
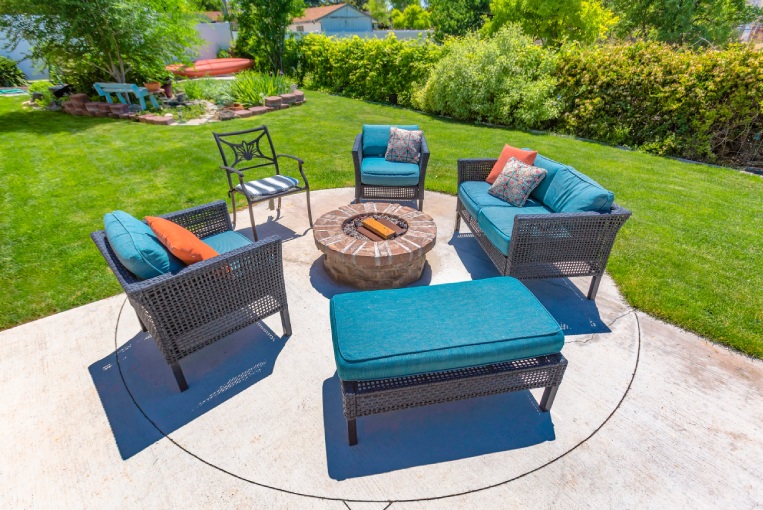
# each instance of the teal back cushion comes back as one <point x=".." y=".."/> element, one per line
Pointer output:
<point x="376" y="138"/>
<point x="137" y="247"/>
<point x="571" y="191"/>
<point x="551" y="167"/>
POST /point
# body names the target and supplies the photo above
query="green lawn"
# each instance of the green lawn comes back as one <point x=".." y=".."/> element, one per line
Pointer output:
<point x="692" y="253"/>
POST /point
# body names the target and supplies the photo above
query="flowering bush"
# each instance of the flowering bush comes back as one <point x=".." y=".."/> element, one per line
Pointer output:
<point x="506" y="79"/>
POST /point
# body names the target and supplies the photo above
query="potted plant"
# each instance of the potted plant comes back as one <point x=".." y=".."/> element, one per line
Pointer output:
<point x="153" y="86"/>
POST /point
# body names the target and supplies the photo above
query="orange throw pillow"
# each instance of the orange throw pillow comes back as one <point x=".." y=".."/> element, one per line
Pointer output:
<point x="508" y="152"/>
<point x="181" y="242"/>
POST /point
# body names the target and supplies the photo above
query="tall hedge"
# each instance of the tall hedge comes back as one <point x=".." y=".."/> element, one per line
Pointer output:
<point x="372" y="69"/>
<point x="703" y="105"/>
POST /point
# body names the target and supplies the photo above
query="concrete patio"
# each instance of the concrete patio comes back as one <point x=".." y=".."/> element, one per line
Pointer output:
<point x="647" y="416"/>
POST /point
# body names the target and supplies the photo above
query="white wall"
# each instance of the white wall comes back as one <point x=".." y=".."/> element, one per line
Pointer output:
<point x="217" y="37"/>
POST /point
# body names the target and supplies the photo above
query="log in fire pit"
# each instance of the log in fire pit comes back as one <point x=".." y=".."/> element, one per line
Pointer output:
<point x="375" y="245"/>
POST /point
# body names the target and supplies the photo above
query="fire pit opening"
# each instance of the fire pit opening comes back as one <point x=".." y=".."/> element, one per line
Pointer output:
<point x="380" y="227"/>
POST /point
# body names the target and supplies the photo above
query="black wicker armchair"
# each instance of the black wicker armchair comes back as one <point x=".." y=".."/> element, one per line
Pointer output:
<point x="547" y="245"/>
<point x="209" y="300"/>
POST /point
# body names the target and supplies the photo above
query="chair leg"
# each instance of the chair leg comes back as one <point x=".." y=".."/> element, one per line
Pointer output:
<point x="309" y="212"/>
<point x="179" y="377"/>
<point x="547" y="400"/>
<point x="594" y="288"/>
<point x="251" y="218"/>
<point x="352" y="432"/>
<point x="421" y="204"/>
<point x="286" y="321"/>
<point x="233" y="205"/>
<point x="458" y="223"/>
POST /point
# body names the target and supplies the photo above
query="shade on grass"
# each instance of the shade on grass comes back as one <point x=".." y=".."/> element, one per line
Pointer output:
<point x="692" y="253"/>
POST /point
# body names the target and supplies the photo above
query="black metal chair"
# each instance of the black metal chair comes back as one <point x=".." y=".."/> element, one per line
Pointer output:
<point x="247" y="150"/>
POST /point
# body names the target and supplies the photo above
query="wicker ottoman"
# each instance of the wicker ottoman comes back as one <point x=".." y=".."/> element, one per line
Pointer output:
<point x="417" y="346"/>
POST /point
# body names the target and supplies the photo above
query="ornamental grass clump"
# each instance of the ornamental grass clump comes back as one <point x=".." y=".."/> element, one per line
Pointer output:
<point x="251" y="88"/>
<point x="210" y="89"/>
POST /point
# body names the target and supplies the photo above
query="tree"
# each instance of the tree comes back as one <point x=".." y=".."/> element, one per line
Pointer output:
<point x="262" y="27"/>
<point x="457" y="17"/>
<point x="412" y="18"/>
<point x="119" y="37"/>
<point x="684" y="22"/>
<point x="553" y="21"/>
<point x="379" y="10"/>
<point x="401" y="5"/>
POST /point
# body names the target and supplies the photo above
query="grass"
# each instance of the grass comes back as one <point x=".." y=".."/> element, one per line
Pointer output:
<point x="691" y="254"/>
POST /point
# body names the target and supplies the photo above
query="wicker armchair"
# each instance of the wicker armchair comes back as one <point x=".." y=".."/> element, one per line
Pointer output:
<point x="547" y="245"/>
<point x="209" y="300"/>
<point x="379" y="192"/>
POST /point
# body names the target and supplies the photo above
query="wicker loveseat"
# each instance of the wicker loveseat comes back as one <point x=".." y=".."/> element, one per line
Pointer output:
<point x="566" y="228"/>
<point x="206" y="301"/>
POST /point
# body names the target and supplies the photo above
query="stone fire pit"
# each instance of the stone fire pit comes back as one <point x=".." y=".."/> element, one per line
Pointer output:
<point x="367" y="264"/>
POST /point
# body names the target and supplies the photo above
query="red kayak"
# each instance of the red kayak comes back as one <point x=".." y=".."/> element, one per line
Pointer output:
<point x="211" y="67"/>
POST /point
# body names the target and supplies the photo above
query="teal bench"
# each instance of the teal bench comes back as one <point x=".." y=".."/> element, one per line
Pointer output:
<point x="402" y="348"/>
<point x="122" y="91"/>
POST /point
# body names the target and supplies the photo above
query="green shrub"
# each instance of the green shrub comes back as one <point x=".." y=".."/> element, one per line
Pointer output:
<point x="250" y="88"/>
<point x="701" y="105"/>
<point x="217" y="91"/>
<point x="223" y="53"/>
<point x="506" y="80"/>
<point x="10" y="74"/>
<point x="42" y="88"/>
<point x="371" y="69"/>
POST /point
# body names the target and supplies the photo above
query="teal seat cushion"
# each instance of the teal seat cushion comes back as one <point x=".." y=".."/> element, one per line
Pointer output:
<point x="474" y="196"/>
<point x="571" y="191"/>
<point x="137" y="247"/>
<point x="376" y="138"/>
<point x="498" y="222"/>
<point x="401" y="332"/>
<point x="227" y="241"/>
<point x="551" y="167"/>
<point x="380" y="172"/>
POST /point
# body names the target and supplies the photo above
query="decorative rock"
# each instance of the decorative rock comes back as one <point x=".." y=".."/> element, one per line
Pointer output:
<point x="104" y="107"/>
<point x="258" y="110"/>
<point x="242" y="114"/>
<point x="225" y="115"/>
<point x="299" y="96"/>
<point x="144" y="118"/>
<point x="273" y="102"/>
<point x="92" y="107"/>
<point x="124" y="115"/>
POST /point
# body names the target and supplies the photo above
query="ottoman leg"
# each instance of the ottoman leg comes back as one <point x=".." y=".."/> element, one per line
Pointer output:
<point x="548" y="398"/>
<point x="352" y="432"/>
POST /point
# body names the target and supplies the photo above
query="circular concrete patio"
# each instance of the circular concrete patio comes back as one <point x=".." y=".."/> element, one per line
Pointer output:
<point x="268" y="410"/>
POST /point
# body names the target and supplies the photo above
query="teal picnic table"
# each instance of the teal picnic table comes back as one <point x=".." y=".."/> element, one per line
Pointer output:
<point x="122" y="91"/>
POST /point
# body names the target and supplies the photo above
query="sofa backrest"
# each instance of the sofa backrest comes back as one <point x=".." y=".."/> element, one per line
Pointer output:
<point x="564" y="189"/>
<point x="376" y="138"/>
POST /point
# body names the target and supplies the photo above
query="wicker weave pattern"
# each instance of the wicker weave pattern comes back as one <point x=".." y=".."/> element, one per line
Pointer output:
<point x="362" y="398"/>
<point x="548" y="245"/>
<point x="210" y="299"/>
<point x="390" y="192"/>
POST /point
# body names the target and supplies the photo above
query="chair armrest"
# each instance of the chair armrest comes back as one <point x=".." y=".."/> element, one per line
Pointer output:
<point x="474" y="169"/>
<point x="247" y="280"/>
<point x="204" y="220"/>
<point x="300" y="162"/>
<point x="564" y="237"/>
<point x="424" y="159"/>
<point x="357" y="155"/>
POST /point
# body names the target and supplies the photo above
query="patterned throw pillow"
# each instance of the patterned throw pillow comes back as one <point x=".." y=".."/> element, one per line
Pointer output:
<point x="516" y="181"/>
<point x="404" y="146"/>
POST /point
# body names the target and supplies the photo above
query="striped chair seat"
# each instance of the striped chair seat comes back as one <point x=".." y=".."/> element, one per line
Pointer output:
<point x="268" y="186"/>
